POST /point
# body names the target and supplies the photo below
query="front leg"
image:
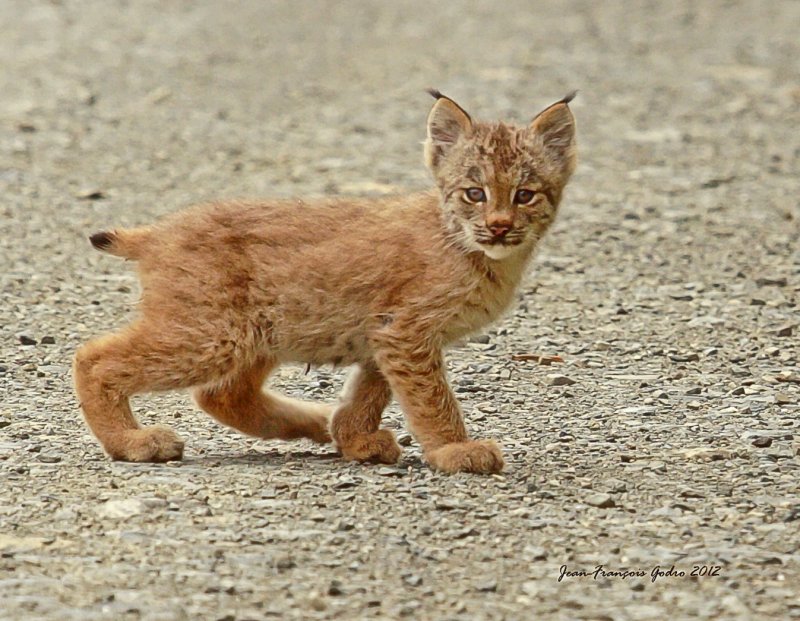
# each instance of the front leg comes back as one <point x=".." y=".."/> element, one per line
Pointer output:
<point x="418" y="379"/>
<point x="355" y="422"/>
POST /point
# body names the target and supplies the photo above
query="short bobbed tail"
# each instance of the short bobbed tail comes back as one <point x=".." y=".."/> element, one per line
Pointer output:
<point x="126" y="243"/>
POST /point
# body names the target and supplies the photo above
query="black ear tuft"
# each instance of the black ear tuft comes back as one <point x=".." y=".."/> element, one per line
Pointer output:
<point x="434" y="93"/>
<point x="568" y="97"/>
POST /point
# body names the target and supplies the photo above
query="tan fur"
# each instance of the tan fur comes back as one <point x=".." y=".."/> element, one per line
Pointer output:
<point x="233" y="289"/>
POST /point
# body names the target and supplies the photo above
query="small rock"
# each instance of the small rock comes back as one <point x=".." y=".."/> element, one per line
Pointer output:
<point x="530" y="588"/>
<point x="600" y="500"/>
<point x="49" y="458"/>
<point x="345" y="484"/>
<point x="412" y="580"/>
<point x="409" y="608"/>
<point x="317" y="603"/>
<point x="556" y="379"/>
<point x="405" y="439"/>
<point x="65" y="515"/>
<point x="534" y="553"/>
<point x="785" y="331"/>
<point x="762" y="442"/>
<point x="716" y="182"/>
<point x="391" y="472"/>
<point x="615" y="486"/>
<point x="446" y="505"/>
<point x="780" y="453"/>
<point x="121" y="509"/>
<point x="486" y="586"/>
<point x="14" y="543"/>
<point x="90" y="195"/>
<point x="335" y="588"/>
<point x="706" y="454"/>
<point x="657" y="466"/>
<point x="26" y="340"/>
<point x="781" y="398"/>
<point x="766" y="281"/>
<point x="48" y="340"/>
<point x="793" y="515"/>
<point x="684" y="357"/>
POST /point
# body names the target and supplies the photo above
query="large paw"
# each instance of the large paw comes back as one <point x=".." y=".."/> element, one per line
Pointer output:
<point x="479" y="456"/>
<point x="379" y="446"/>
<point x="154" y="444"/>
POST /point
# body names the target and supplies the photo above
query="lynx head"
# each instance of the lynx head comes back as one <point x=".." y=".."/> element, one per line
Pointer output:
<point x="500" y="184"/>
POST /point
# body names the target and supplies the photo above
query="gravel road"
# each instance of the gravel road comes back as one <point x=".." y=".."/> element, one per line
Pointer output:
<point x="667" y="437"/>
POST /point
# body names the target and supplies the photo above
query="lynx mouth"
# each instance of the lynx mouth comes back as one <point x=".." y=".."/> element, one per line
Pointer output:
<point x="504" y="242"/>
<point x="500" y="241"/>
<point x="499" y="249"/>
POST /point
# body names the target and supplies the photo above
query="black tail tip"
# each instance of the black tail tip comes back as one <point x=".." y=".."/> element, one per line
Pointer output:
<point x="434" y="93"/>
<point x="102" y="240"/>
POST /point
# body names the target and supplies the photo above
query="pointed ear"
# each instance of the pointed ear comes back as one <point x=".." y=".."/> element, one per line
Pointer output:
<point x="555" y="127"/>
<point x="447" y="121"/>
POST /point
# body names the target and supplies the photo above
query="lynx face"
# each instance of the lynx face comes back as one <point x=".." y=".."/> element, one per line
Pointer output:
<point x="500" y="184"/>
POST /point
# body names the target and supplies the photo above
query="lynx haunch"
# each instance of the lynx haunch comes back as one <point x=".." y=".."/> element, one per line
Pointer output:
<point x="233" y="289"/>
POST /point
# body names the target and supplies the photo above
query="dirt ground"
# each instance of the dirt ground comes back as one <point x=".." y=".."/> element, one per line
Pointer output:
<point x="669" y="287"/>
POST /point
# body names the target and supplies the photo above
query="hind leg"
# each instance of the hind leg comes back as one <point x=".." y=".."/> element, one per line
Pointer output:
<point x="239" y="402"/>
<point x="109" y="370"/>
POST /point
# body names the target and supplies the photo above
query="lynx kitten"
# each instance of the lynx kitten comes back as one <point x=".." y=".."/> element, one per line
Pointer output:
<point x="232" y="290"/>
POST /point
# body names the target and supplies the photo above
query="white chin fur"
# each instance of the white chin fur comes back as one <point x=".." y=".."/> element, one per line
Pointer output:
<point x="498" y="252"/>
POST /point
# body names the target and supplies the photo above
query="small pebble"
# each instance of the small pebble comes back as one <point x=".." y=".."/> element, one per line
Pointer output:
<point x="412" y="580"/>
<point x="486" y="586"/>
<point x="335" y="588"/>
<point x="601" y="500"/>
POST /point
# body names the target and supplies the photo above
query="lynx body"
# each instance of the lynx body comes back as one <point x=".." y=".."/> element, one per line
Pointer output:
<point x="233" y="289"/>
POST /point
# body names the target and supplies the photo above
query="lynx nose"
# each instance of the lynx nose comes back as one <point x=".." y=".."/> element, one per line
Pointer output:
<point x="499" y="229"/>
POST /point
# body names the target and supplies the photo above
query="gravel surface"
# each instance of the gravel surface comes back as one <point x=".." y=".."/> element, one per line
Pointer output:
<point x="668" y="436"/>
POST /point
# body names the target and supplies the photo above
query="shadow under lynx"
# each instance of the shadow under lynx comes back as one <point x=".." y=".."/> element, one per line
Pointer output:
<point x="231" y="290"/>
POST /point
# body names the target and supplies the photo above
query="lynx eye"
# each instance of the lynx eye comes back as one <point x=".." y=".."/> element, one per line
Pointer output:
<point x="475" y="195"/>
<point x="524" y="197"/>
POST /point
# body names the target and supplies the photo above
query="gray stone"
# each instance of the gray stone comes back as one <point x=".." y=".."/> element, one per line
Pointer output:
<point x="601" y="500"/>
<point x="556" y="379"/>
